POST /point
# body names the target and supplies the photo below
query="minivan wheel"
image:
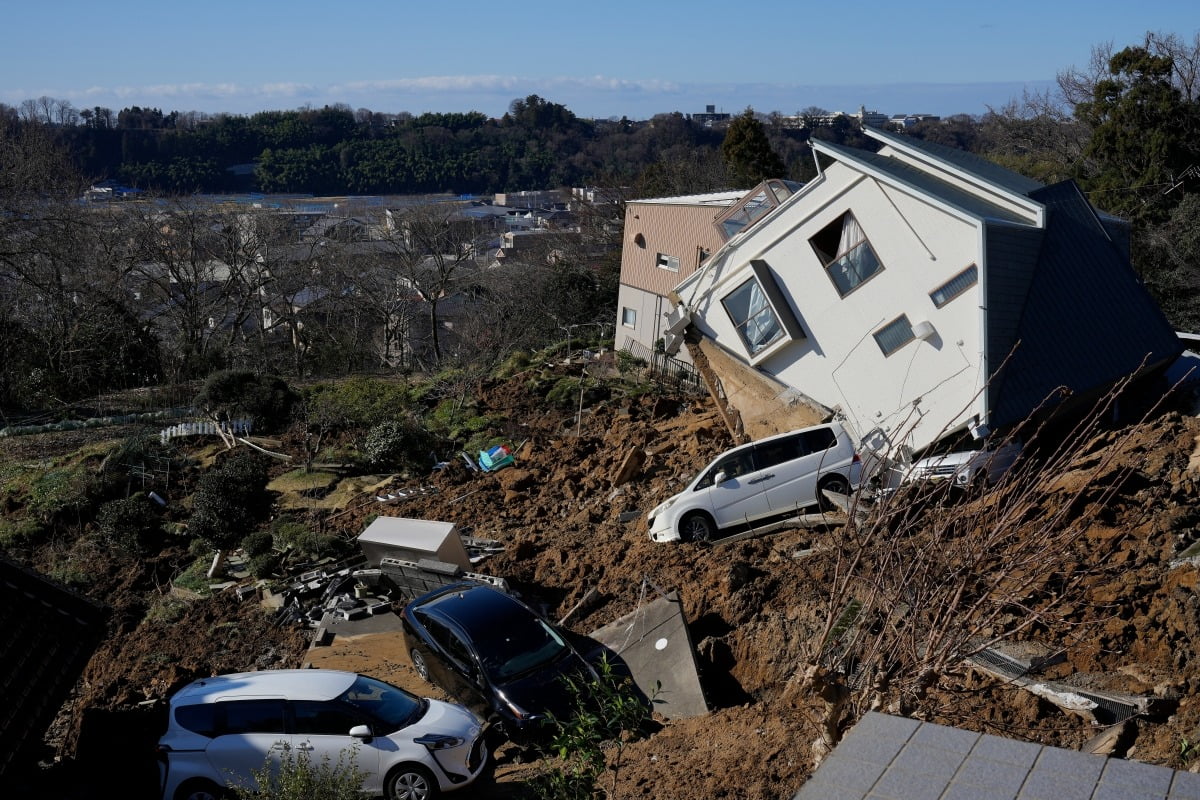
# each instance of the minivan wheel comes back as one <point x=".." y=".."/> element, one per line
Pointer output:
<point x="696" y="527"/>
<point x="411" y="782"/>
<point x="419" y="665"/>
<point x="834" y="483"/>
<point x="200" y="789"/>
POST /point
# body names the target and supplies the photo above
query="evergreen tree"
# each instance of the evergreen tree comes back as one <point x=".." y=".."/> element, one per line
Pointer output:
<point x="747" y="153"/>
<point x="1143" y="135"/>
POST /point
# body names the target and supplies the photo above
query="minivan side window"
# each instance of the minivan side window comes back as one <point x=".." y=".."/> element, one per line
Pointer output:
<point x="200" y="718"/>
<point x="818" y="439"/>
<point x="252" y="716"/>
<point x="313" y="716"/>
<point x="776" y="452"/>
<point x="739" y="462"/>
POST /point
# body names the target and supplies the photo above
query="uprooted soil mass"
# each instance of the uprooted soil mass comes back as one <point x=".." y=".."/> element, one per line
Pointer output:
<point x="567" y="528"/>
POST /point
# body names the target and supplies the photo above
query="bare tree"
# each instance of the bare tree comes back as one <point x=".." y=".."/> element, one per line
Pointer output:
<point x="438" y="255"/>
<point x="921" y="585"/>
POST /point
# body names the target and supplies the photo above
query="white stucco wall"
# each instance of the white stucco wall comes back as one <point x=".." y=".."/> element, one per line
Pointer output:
<point x="839" y="363"/>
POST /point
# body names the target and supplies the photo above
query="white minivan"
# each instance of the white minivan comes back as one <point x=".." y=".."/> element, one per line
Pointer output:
<point x="759" y="482"/>
<point x="224" y="731"/>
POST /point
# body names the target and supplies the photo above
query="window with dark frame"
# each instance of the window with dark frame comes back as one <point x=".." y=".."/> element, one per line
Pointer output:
<point x="955" y="286"/>
<point x="752" y="316"/>
<point x="894" y="335"/>
<point x="846" y="254"/>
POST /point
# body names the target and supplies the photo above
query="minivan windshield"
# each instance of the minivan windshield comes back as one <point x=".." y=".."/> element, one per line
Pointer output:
<point x="390" y="707"/>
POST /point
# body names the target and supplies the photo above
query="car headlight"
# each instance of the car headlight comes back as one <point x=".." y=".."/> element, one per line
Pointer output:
<point x="438" y="741"/>
<point x="662" y="507"/>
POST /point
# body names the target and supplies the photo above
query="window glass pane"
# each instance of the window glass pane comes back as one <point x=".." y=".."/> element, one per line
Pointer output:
<point x="391" y="707"/>
<point x="955" y="286"/>
<point x="752" y="315"/>
<point x="820" y="439"/>
<point x="253" y="716"/>
<point x="894" y="335"/>
<point x="324" y="718"/>
<point x="853" y="267"/>
<point x="771" y="454"/>
<point x="198" y="718"/>
<point x="628" y="317"/>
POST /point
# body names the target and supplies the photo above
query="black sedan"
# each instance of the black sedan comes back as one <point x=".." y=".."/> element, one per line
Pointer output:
<point x="495" y="655"/>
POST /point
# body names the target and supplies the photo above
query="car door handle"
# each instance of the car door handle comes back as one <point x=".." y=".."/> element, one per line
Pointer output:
<point x="766" y="477"/>
<point x="281" y="746"/>
<point x="306" y="747"/>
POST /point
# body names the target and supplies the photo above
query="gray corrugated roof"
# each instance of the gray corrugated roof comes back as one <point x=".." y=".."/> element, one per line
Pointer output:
<point x="979" y="166"/>
<point x="926" y="183"/>
<point x="1086" y="321"/>
<point x="895" y="758"/>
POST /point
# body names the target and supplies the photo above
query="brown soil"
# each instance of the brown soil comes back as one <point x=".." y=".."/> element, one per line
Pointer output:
<point x="559" y="515"/>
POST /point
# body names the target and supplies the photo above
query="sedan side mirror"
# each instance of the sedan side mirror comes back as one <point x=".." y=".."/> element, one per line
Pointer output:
<point x="719" y="478"/>
<point x="361" y="732"/>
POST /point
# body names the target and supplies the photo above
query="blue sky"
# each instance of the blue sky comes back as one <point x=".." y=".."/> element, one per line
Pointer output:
<point x="600" y="59"/>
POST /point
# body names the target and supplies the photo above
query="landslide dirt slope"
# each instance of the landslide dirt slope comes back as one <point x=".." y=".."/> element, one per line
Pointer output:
<point x="749" y="603"/>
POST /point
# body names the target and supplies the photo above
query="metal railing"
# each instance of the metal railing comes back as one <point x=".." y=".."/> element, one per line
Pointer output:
<point x="666" y="370"/>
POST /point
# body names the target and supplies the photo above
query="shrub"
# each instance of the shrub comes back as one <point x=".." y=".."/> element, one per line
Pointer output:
<point x="298" y="778"/>
<point x="605" y="709"/>
<point x="258" y="543"/>
<point x="355" y="403"/>
<point x="230" y="499"/>
<point x="132" y="526"/>
<point x="231" y="394"/>
<point x="398" y="444"/>
<point x="20" y="533"/>
<point x="263" y="565"/>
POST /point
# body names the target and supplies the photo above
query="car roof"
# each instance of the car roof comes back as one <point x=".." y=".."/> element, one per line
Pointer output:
<point x="293" y="684"/>
<point x="474" y="608"/>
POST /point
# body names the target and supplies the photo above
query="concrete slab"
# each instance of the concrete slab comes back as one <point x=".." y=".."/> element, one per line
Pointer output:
<point x="655" y="645"/>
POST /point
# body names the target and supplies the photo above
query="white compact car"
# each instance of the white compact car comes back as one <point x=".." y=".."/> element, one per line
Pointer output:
<point x="759" y="482"/>
<point x="222" y="730"/>
<point x="966" y="468"/>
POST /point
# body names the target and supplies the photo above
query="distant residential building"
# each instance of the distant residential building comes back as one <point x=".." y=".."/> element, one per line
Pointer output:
<point x="711" y="117"/>
<point x="547" y="198"/>
<point x="666" y="238"/>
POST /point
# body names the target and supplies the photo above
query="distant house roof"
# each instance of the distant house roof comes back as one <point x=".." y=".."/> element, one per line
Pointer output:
<point x="710" y="198"/>
<point x="895" y="757"/>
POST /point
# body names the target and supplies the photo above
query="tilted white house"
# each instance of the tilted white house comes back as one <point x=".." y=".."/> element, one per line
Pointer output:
<point x="919" y="291"/>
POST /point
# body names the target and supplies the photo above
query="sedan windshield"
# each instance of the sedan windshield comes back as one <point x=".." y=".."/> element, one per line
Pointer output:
<point x="513" y="651"/>
<point x="391" y="708"/>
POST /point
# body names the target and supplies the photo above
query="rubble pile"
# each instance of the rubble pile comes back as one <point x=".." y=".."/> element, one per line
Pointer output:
<point x="569" y="515"/>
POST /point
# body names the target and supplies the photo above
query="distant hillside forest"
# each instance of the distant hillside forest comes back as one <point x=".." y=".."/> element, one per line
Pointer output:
<point x="336" y="151"/>
<point x="1125" y="128"/>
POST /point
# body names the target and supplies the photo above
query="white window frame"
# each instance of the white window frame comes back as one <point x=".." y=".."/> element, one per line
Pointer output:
<point x="628" y="317"/>
<point x="667" y="262"/>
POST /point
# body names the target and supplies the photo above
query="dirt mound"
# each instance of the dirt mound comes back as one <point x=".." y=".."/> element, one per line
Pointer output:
<point x="569" y="525"/>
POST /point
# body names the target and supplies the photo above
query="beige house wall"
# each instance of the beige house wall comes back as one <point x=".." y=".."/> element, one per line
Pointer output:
<point x="678" y="230"/>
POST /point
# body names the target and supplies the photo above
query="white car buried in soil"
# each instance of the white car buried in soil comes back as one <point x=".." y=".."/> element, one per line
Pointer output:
<point x="760" y="482"/>
<point x="967" y="468"/>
